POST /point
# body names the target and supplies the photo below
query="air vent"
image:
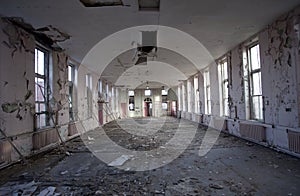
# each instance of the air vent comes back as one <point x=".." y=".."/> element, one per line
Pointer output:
<point x="149" y="5"/>
<point x="101" y="3"/>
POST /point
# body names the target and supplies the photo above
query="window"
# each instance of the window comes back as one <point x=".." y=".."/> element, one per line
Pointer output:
<point x="164" y="104"/>
<point x="223" y="83"/>
<point x="88" y="80"/>
<point x="107" y="92"/>
<point x="196" y="93"/>
<point x="131" y="100"/>
<point x="207" y="93"/>
<point x="42" y="90"/>
<point x="183" y="90"/>
<point x="255" y="87"/>
<point x="100" y="87"/>
<point x="130" y="93"/>
<point x="179" y="97"/>
<point x="71" y="79"/>
<point x="189" y="95"/>
<point x="164" y="92"/>
<point x="147" y="92"/>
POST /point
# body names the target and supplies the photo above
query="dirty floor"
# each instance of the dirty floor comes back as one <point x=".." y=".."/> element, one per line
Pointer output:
<point x="232" y="167"/>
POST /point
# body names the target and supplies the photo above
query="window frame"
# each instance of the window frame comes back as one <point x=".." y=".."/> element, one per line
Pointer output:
<point x="197" y="94"/>
<point x="251" y="72"/>
<point x="207" y="93"/>
<point x="72" y="80"/>
<point x="89" y="94"/>
<point x="224" y="86"/>
<point x="131" y="100"/>
<point x="46" y="89"/>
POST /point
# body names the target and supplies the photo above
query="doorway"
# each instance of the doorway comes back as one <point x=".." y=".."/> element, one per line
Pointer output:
<point x="147" y="107"/>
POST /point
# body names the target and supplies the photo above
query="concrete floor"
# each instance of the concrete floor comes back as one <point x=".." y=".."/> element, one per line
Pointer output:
<point x="232" y="167"/>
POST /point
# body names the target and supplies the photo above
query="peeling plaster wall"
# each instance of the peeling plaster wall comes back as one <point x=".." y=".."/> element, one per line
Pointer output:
<point x="17" y="90"/>
<point x="201" y="92"/>
<point x="90" y="123"/>
<point x="236" y="87"/>
<point x="16" y="84"/>
<point x="280" y="67"/>
<point x="280" y="59"/>
<point x="214" y="90"/>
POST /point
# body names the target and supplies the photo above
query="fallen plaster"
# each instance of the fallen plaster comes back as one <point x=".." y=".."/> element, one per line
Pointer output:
<point x="232" y="167"/>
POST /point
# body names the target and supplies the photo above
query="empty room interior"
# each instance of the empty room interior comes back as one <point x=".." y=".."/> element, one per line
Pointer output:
<point x="150" y="97"/>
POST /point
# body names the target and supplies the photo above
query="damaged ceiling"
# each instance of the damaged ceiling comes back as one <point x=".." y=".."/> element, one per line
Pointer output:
<point x="77" y="26"/>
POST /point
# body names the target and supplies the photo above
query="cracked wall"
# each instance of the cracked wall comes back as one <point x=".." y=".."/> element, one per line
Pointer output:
<point x="280" y="67"/>
<point x="17" y="91"/>
<point x="16" y="85"/>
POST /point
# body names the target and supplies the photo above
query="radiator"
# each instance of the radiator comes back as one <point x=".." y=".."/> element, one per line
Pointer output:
<point x="44" y="138"/>
<point x="5" y="152"/>
<point x="255" y="132"/>
<point x="72" y="129"/>
<point x="294" y="141"/>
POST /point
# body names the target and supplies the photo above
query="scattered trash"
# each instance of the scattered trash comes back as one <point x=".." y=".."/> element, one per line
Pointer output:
<point x="120" y="160"/>
<point x="90" y="138"/>
<point x="49" y="191"/>
<point x="19" y="189"/>
<point x="68" y="154"/>
<point x="98" y="192"/>
<point x="64" y="172"/>
<point x="216" y="186"/>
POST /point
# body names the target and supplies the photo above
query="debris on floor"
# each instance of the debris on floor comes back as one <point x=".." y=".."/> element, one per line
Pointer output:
<point x="120" y="160"/>
<point x="232" y="167"/>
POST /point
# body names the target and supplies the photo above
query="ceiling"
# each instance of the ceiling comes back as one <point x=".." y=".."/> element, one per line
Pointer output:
<point x="217" y="24"/>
